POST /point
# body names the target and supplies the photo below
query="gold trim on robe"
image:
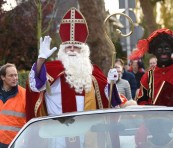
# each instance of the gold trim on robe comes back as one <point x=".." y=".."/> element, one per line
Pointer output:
<point x="90" y="101"/>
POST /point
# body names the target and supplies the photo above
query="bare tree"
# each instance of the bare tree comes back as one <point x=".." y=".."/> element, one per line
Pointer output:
<point x="166" y="12"/>
<point x="95" y="14"/>
<point x="21" y="29"/>
<point x="149" y="17"/>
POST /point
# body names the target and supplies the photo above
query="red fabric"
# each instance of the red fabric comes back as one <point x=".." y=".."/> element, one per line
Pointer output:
<point x="55" y="69"/>
<point x="159" y="31"/>
<point x="31" y="99"/>
<point x="160" y="75"/>
<point x="142" y="48"/>
<point x="68" y="97"/>
<point x="73" y="27"/>
<point x="123" y="99"/>
<point x="102" y="81"/>
<point x="144" y="80"/>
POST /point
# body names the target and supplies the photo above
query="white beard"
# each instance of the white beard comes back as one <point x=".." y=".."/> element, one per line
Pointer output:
<point x="78" y="68"/>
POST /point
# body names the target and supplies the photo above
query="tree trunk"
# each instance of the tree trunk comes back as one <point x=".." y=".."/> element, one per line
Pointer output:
<point x="149" y="17"/>
<point x="95" y="14"/>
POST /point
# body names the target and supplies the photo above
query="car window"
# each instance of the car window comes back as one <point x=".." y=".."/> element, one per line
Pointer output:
<point x="105" y="130"/>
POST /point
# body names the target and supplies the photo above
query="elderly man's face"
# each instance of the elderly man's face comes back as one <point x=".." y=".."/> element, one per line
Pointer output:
<point x="163" y="53"/>
<point x="71" y="50"/>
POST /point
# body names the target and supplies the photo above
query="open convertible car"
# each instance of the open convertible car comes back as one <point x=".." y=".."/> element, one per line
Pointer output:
<point x="132" y="127"/>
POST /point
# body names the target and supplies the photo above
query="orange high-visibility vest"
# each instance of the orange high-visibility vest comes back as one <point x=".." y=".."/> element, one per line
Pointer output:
<point x="12" y="116"/>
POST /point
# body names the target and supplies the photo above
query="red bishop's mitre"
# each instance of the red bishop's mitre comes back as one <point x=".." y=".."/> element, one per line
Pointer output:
<point x="73" y="28"/>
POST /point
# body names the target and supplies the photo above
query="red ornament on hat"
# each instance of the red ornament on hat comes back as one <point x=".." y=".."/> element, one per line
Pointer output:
<point x="73" y="28"/>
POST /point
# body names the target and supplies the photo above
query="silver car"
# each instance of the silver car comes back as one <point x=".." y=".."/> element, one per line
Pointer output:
<point x="131" y="127"/>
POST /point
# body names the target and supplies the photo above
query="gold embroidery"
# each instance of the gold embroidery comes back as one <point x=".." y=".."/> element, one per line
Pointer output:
<point x="98" y="96"/>
<point x="151" y="84"/>
<point x="38" y="103"/>
<point x="50" y="78"/>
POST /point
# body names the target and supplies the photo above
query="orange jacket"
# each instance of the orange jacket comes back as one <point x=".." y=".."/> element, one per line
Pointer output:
<point x="12" y="116"/>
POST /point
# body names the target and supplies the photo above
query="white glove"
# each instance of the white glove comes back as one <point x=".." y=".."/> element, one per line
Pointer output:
<point x="45" y="51"/>
<point x="112" y="75"/>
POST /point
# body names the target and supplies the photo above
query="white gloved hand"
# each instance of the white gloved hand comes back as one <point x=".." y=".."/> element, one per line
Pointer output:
<point x="112" y="75"/>
<point x="45" y="51"/>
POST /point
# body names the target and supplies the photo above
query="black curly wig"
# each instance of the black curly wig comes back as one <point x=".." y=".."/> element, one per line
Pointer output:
<point x="160" y="39"/>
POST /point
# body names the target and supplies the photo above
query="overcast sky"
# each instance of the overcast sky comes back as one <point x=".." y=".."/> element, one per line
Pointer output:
<point x="9" y="5"/>
<point x="112" y="6"/>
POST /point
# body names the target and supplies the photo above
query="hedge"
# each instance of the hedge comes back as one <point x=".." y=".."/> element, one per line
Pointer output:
<point x="22" y="77"/>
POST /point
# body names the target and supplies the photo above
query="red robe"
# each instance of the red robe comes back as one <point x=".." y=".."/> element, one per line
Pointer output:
<point x="157" y="75"/>
<point x="56" y="70"/>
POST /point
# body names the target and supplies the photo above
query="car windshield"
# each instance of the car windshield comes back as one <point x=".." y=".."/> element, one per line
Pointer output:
<point x="143" y="129"/>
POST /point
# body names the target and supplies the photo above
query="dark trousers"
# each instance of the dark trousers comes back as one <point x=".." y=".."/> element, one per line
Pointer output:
<point x="3" y="145"/>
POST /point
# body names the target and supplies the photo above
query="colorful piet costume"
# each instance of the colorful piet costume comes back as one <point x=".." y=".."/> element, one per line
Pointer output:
<point x="159" y="43"/>
<point x="62" y="96"/>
